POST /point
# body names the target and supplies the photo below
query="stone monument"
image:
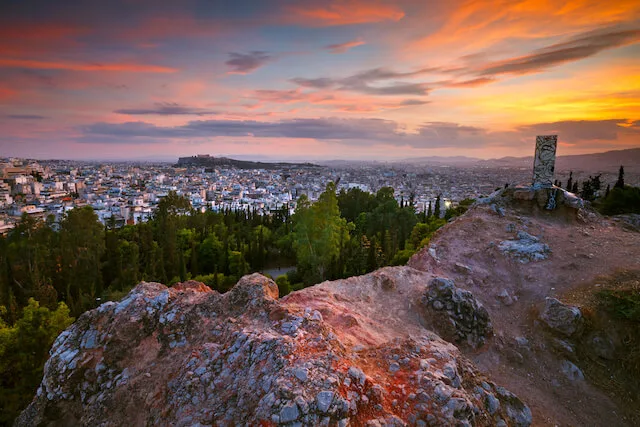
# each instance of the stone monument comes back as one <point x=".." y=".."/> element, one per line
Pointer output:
<point x="544" y="161"/>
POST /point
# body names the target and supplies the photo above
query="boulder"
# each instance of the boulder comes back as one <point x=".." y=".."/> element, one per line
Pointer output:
<point x="571" y="371"/>
<point x="561" y="318"/>
<point x="460" y="318"/>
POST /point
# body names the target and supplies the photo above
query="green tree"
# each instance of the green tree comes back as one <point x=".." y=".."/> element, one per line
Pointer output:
<point x="23" y="351"/>
<point x="319" y="233"/>
<point x="81" y="248"/>
<point x="238" y="266"/>
<point x="621" y="201"/>
<point x="284" y="287"/>
<point x="354" y="202"/>
<point x="210" y="253"/>
<point x="422" y="232"/>
<point x="436" y="209"/>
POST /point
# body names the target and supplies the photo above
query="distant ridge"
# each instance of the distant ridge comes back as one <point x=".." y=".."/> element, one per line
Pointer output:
<point x="595" y="162"/>
<point x="208" y="161"/>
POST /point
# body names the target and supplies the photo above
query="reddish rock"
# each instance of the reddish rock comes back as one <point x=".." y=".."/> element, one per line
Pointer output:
<point x="352" y="351"/>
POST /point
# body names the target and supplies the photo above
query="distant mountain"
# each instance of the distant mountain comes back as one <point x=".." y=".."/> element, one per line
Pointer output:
<point x="608" y="161"/>
<point x="442" y="160"/>
<point x="207" y="161"/>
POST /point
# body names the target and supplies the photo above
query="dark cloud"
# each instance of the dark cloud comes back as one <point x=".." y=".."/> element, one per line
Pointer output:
<point x="244" y="63"/>
<point x="446" y="134"/>
<point x="392" y="89"/>
<point x="386" y="74"/>
<point x="166" y="109"/>
<point x="346" y="131"/>
<point x="320" y="83"/>
<point x="583" y="130"/>
<point x="580" y="47"/>
<point x="124" y="131"/>
<point x="324" y="129"/>
<point x="368" y="82"/>
<point x="291" y="96"/>
<point x="25" y="117"/>
<point x="409" y="102"/>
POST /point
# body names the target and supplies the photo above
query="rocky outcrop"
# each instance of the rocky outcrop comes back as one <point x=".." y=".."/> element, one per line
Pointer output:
<point x="326" y="355"/>
<point x="459" y="316"/>
<point x="525" y="248"/>
<point x="561" y="318"/>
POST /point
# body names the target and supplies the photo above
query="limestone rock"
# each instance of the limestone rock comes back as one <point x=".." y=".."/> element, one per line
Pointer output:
<point x="465" y="320"/>
<point x="571" y="371"/>
<point x="188" y="355"/>
<point x="561" y="318"/>
<point x="525" y="248"/>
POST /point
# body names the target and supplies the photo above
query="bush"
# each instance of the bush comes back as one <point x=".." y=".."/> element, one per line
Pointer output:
<point x="284" y="287"/>
<point x="402" y="257"/>
<point x="621" y="201"/>
<point x="622" y="303"/>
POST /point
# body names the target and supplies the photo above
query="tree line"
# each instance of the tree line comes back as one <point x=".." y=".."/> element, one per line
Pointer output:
<point x="620" y="199"/>
<point x="51" y="273"/>
<point x="81" y="262"/>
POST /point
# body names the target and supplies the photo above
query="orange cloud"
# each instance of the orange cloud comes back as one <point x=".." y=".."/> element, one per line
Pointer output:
<point x="345" y="12"/>
<point x="344" y="47"/>
<point x="77" y="66"/>
<point x="476" y="25"/>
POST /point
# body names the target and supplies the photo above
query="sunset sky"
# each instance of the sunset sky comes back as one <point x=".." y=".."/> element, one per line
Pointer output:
<point x="312" y="79"/>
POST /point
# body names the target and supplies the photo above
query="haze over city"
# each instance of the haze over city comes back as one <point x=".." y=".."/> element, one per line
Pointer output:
<point x="340" y="79"/>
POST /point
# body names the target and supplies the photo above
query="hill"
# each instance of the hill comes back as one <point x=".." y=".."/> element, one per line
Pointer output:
<point x="207" y="161"/>
<point x="501" y="301"/>
<point x="593" y="163"/>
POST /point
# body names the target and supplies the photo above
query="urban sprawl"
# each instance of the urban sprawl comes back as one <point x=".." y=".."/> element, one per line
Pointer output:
<point x="128" y="193"/>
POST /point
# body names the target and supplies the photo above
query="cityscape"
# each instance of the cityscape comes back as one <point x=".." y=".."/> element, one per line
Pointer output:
<point x="123" y="193"/>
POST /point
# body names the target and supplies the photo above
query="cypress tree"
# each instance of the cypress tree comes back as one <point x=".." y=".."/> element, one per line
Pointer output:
<point x="430" y="211"/>
<point x="574" y="188"/>
<point x="436" y="209"/>
<point x="570" y="182"/>
<point x="620" y="181"/>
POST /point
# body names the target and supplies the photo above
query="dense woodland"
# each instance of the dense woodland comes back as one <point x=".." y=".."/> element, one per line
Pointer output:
<point x="51" y="273"/>
<point x="81" y="262"/>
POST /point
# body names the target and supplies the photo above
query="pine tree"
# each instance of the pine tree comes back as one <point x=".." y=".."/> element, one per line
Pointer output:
<point x="620" y="181"/>
<point x="574" y="188"/>
<point x="587" y="190"/>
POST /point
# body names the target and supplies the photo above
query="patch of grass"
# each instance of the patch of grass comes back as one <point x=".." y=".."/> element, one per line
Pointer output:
<point x="611" y="308"/>
<point x="621" y="303"/>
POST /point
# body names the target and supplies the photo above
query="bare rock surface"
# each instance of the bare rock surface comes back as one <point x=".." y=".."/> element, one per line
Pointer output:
<point x="578" y="246"/>
<point x="459" y="317"/>
<point x="562" y="318"/>
<point x="525" y="248"/>
<point x="350" y="352"/>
